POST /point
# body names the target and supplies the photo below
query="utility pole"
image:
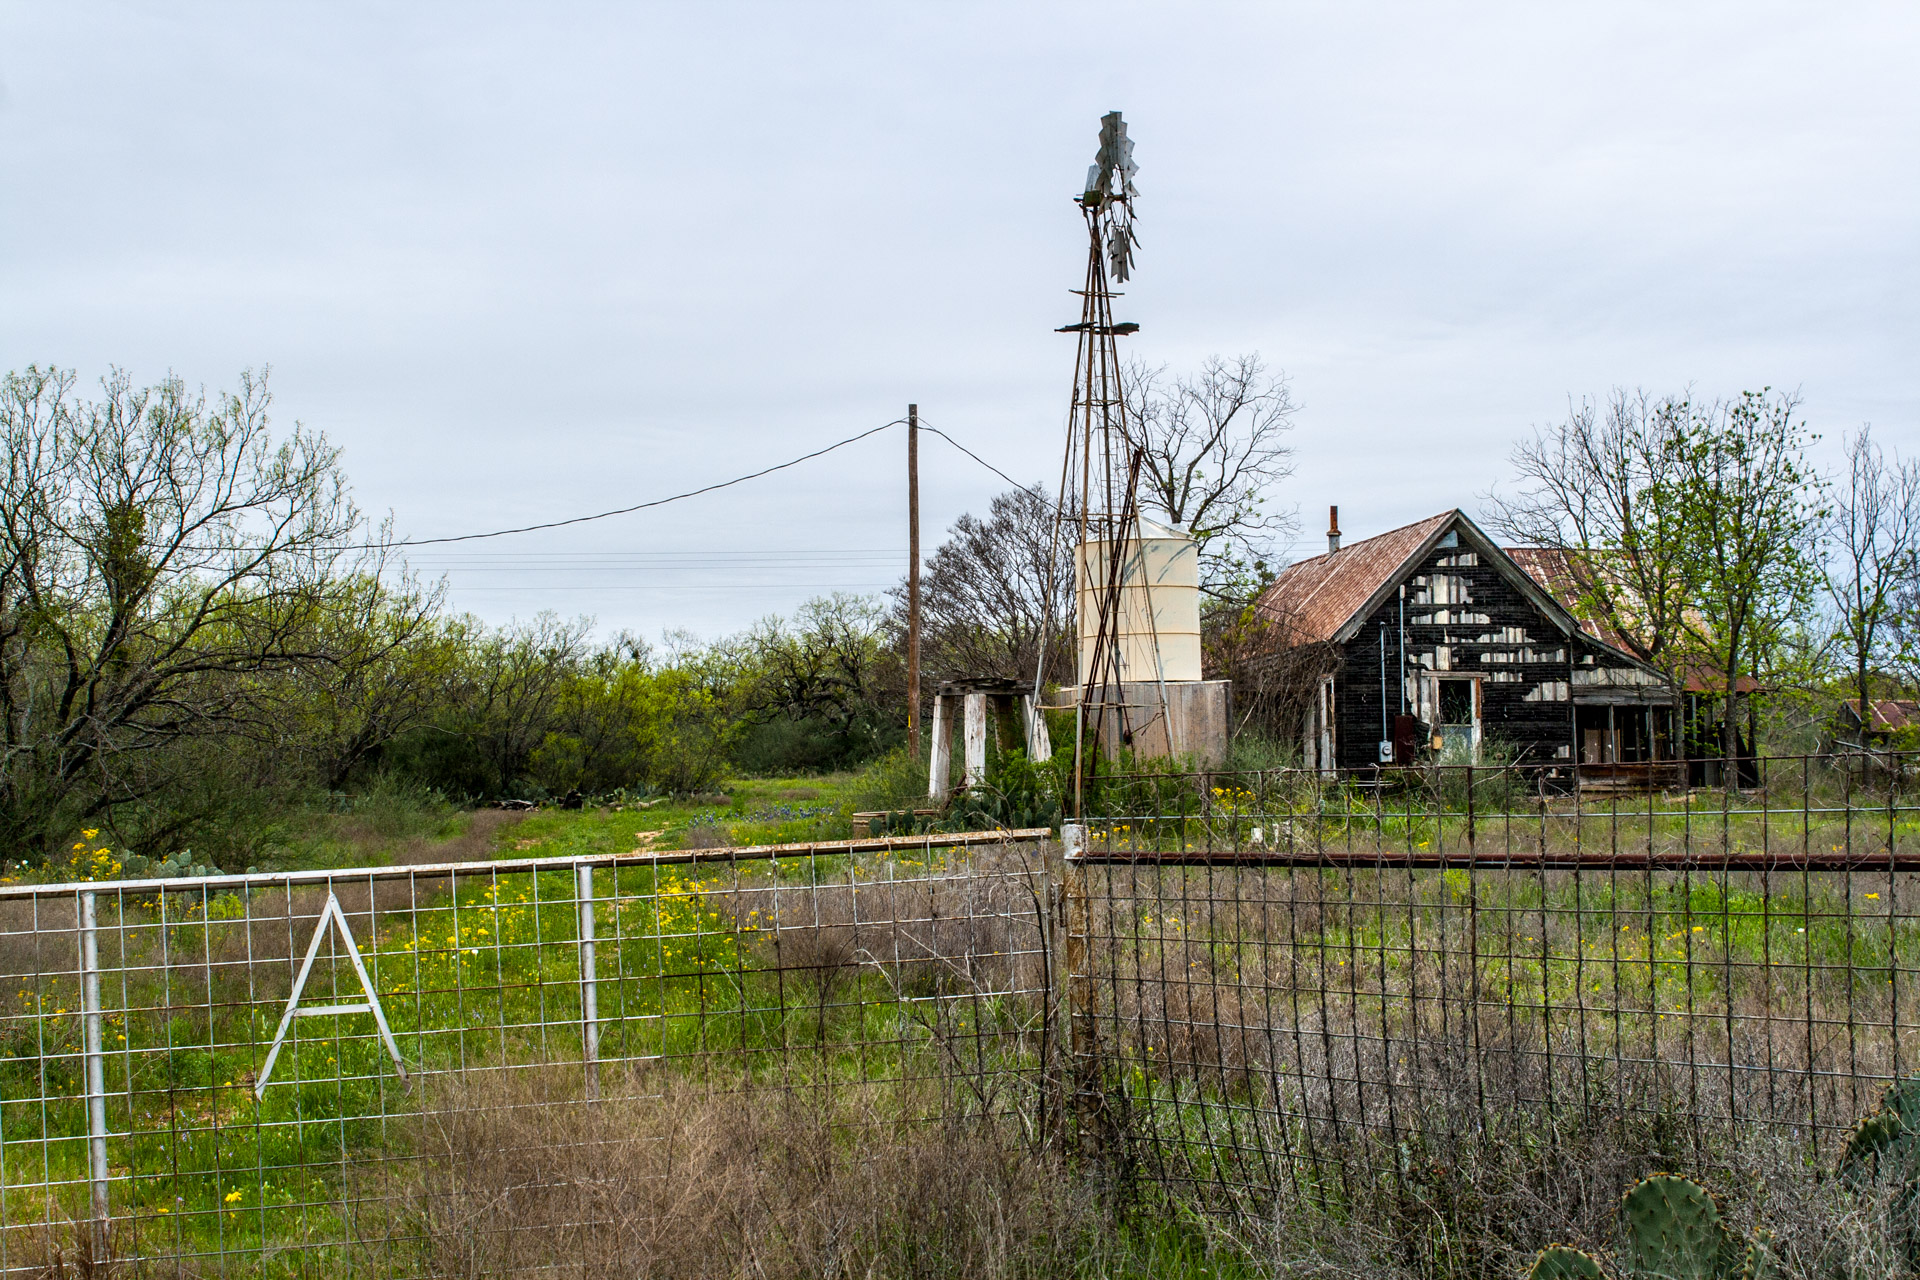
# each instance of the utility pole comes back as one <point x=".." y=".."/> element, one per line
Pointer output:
<point x="913" y="579"/>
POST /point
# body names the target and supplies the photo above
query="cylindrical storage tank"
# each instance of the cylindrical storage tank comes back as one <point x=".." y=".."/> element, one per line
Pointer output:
<point x="1158" y="633"/>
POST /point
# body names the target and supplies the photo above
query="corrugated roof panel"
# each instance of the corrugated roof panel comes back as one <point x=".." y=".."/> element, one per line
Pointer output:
<point x="1314" y="598"/>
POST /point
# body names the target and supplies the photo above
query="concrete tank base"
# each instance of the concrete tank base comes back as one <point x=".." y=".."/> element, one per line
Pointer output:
<point x="1196" y="721"/>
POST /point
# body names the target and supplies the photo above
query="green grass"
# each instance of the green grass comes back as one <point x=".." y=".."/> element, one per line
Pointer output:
<point x="489" y="974"/>
<point x="486" y="975"/>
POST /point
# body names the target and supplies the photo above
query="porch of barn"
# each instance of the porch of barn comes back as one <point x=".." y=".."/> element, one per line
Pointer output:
<point x="1628" y="743"/>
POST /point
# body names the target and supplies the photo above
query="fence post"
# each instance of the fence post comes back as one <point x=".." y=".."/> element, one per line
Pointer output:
<point x="589" y="985"/>
<point x="96" y="1072"/>
<point x="1083" y="1067"/>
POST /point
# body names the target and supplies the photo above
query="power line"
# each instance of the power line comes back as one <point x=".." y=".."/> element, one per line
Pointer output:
<point x="642" y="506"/>
<point x="692" y="493"/>
<point x="971" y="454"/>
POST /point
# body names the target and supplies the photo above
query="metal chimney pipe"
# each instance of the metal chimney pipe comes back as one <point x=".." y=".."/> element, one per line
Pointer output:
<point x="1333" y="530"/>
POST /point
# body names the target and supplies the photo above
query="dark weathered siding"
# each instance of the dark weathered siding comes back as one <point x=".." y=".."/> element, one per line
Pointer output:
<point x="1463" y="617"/>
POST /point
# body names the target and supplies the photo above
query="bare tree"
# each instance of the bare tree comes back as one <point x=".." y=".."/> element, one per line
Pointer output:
<point x="160" y="554"/>
<point x="994" y="589"/>
<point x="1873" y="537"/>
<point x="1213" y="446"/>
<point x="1275" y="672"/>
<point x="1595" y="488"/>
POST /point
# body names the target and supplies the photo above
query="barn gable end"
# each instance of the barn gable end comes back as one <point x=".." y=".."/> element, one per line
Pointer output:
<point x="1436" y="622"/>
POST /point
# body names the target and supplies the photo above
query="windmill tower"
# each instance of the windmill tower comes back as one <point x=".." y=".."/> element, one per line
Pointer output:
<point x="1136" y="597"/>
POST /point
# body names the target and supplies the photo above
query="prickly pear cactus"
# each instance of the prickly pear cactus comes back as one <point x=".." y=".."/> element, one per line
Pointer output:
<point x="1674" y="1231"/>
<point x="1889" y="1139"/>
<point x="1886" y="1145"/>
<point x="1558" y="1262"/>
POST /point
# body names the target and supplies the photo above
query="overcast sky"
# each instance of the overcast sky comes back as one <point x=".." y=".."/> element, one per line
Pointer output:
<point x="525" y="262"/>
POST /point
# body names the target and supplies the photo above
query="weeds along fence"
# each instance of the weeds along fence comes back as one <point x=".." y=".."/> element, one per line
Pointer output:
<point x="1295" y="991"/>
<point x="1476" y="1001"/>
<point x="230" y="1074"/>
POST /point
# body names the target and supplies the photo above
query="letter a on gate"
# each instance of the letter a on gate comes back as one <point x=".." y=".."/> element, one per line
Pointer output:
<point x="331" y="914"/>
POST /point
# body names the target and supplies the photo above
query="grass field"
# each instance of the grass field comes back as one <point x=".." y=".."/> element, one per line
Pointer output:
<point x="887" y="1014"/>
<point x="744" y="978"/>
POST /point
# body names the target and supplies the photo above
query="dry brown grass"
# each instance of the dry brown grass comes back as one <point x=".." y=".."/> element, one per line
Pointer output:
<point x="766" y="1183"/>
<point x="967" y="932"/>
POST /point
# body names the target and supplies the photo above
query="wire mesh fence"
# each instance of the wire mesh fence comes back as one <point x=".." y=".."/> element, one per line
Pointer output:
<point x="1259" y="993"/>
<point x="1300" y="990"/>
<point x="244" y="1073"/>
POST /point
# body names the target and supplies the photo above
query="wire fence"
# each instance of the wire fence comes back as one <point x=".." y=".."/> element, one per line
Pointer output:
<point x="1257" y="993"/>
<point x="239" y="1073"/>
<point x="1343" y="993"/>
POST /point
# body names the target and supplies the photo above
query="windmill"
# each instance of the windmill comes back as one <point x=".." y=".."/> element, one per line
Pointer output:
<point x="1100" y="470"/>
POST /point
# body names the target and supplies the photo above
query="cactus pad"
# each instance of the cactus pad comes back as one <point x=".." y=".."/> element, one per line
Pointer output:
<point x="1558" y="1262"/>
<point x="1674" y="1232"/>
<point x="1891" y="1134"/>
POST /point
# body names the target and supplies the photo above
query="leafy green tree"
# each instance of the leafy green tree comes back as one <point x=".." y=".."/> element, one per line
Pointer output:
<point x="625" y="719"/>
<point x="162" y="558"/>
<point x="1748" y="504"/>
<point x="384" y="655"/>
<point x="510" y="688"/>
<point x="1600" y="488"/>
<point x="822" y="688"/>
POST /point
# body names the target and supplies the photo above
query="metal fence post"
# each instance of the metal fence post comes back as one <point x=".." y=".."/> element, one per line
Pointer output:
<point x="96" y="1072"/>
<point x="1084" y="1069"/>
<point x="589" y="985"/>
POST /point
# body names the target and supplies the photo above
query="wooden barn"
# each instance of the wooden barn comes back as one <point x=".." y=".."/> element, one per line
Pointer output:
<point x="1432" y="631"/>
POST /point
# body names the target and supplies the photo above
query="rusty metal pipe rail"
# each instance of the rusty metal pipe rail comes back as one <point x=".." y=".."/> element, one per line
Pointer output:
<point x="1329" y="859"/>
<point x="634" y="858"/>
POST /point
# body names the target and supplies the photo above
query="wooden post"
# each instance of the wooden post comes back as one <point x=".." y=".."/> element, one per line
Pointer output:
<point x="913" y="579"/>
<point x="975" y="733"/>
<point x="1039" y="744"/>
<point x="940" y="760"/>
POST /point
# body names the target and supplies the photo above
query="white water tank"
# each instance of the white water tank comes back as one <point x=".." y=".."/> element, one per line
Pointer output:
<point x="1159" y="616"/>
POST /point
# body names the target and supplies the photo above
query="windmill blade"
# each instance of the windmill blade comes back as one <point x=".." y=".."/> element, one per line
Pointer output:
<point x="1120" y="244"/>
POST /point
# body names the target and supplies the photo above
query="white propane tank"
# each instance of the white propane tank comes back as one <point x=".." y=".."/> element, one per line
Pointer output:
<point x="1158" y="636"/>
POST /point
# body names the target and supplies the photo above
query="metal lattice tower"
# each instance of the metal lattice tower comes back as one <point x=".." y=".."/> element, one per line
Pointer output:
<point x="1099" y="471"/>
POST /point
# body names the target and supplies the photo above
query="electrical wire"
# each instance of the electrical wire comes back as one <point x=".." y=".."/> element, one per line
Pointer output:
<point x="641" y="506"/>
<point x="971" y="454"/>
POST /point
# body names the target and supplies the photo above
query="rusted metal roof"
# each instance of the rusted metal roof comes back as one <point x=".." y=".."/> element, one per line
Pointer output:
<point x="1883" y="714"/>
<point x="1313" y="598"/>
<point x="1894" y="713"/>
<point x="1548" y="567"/>
<point x="1699" y="678"/>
